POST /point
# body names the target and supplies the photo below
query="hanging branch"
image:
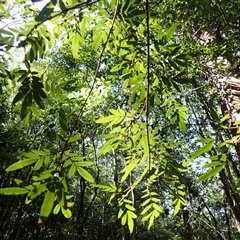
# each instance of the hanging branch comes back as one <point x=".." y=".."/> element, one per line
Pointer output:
<point x="94" y="79"/>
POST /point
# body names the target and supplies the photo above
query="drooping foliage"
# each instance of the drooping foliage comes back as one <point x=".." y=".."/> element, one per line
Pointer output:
<point x="117" y="108"/>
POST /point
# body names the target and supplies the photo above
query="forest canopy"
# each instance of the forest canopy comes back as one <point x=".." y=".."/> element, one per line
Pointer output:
<point x="119" y="119"/>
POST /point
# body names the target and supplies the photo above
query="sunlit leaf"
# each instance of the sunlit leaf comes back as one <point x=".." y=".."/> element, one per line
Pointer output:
<point x="210" y="173"/>
<point x="13" y="191"/>
<point x="72" y="170"/>
<point x="74" y="138"/>
<point x="36" y="191"/>
<point x="38" y="164"/>
<point x="207" y="147"/>
<point x="47" y="206"/>
<point x="85" y="174"/>
<point x="44" y="175"/>
<point x="20" y="164"/>
<point x="75" y="44"/>
<point x="56" y="209"/>
<point x="171" y="31"/>
<point x="130" y="223"/>
<point x="66" y="212"/>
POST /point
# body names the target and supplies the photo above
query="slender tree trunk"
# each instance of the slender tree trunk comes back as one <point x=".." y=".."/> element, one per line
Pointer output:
<point x="227" y="222"/>
<point x="17" y="224"/>
<point x="134" y="233"/>
<point x="226" y="176"/>
<point x="81" y="217"/>
<point x="188" y="233"/>
<point x="115" y="177"/>
<point x="232" y="199"/>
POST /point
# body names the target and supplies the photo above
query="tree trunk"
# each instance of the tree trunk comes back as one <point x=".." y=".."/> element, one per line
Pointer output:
<point x="188" y="233"/>
<point x="227" y="175"/>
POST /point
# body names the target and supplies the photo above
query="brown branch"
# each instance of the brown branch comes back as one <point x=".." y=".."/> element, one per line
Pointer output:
<point x="223" y="14"/>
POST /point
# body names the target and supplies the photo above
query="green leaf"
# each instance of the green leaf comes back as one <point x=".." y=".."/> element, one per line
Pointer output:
<point x="124" y="219"/>
<point x="61" y="196"/>
<point x="67" y="163"/>
<point x="36" y="191"/>
<point x="205" y="140"/>
<point x="146" y="202"/>
<point x="83" y="25"/>
<point x="108" y="146"/>
<point x="131" y="214"/>
<point x="24" y="184"/>
<point x="85" y="174"/>
<point x="60" y="95"/>
<point x="63" y="121"/>
<point x="116" y="68"/>
<point x="129" y="207"/>
<point x="13" y="191"/>
<point x="157" y="207"/>
<point x="74" y="138"/>
<point x="47" y="160"/>
<point x="46" y="207"/>
<point x="146" y="144"/>
<point x="120" y="213"/>
<point x="203" y="149"/>
<point x="72" y="170"/>
<point x="25" y="121"/>
<point x="146" y="217"/>
<point x="107" y="119"/>
<point x="213" y="164"/>
<point x="182" y="125"/>
<point x="146" y="209"/>
<point x="56" y="209"/>
<point x="35" y="111"/>
<point x="224" y="118"/>
<point x="75" y="44"/>
<point x="44" y="152"/>
<point x="38" y="165"/>
<point x="128" y="169"/>
<point x="66" y="185"/>
<point x="97" y="39"/>
<point x="38" y="99"/>
<point x="210" y="173"/>
<point x="130" y="224"/>
<point x="177" y="207"/>
<point x="170" y="110"/>
<point x="18" y="97"/>
<point x="183" y="115"/>
<point x="4" y="31"/>
<point x="44" y="175"/>
<point x="27" y="102"/>
<point x="72" y="2"/>
<point x="66" y="212"/>
<point x="84" y="164"/>
<point x="38" y="89"/>
<point x="78" y="158"/>
<point x="45" y="12"/>
<point x="154" y="215"/>
<point x="171" y="31"/>
<point x="20" y="164"/>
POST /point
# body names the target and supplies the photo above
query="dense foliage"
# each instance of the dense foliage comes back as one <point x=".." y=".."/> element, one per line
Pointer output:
<point x="119" y="119"/>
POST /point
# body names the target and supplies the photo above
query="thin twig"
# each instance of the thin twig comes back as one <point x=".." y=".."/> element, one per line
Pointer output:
<point x="148" y="82"/>
<point x="94" y="80"/>
<point x="223" y="14"/>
